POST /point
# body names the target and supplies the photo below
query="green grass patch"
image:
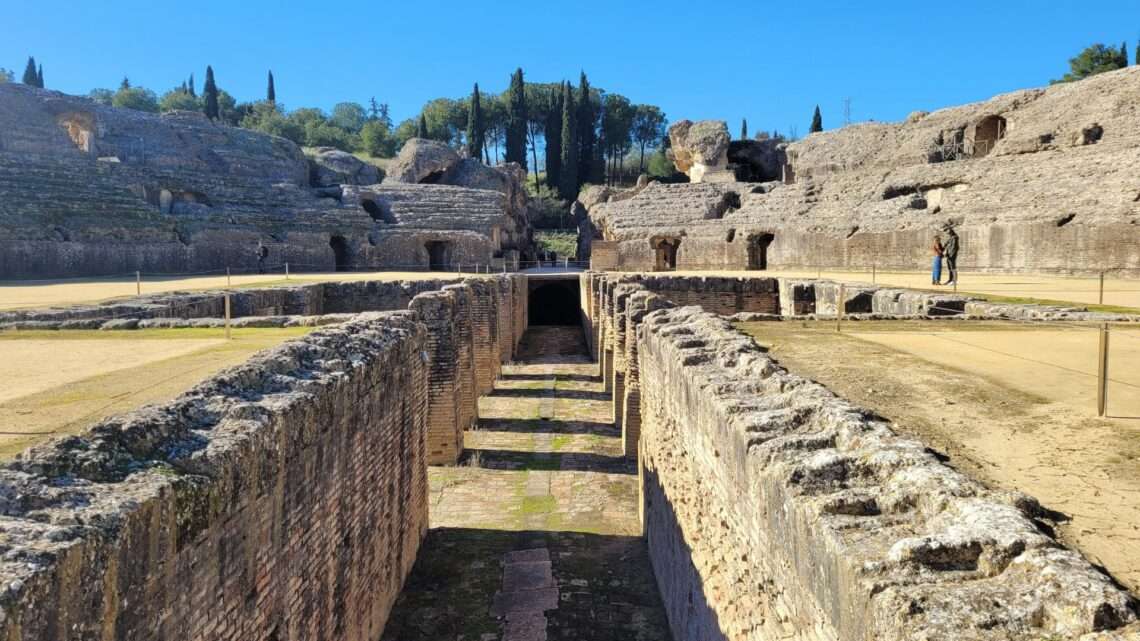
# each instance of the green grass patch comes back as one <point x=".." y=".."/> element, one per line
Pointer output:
<point x="565" y="244"/>
<point x="538" y="504"/>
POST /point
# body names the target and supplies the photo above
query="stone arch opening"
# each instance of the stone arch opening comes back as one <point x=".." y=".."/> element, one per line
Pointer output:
<point x="340" y="250"/>
<point x="665" y="250"/>
<point x="987" y="132"/>
<point x="554" y="303"/>
<point x="758" y="250"/>
<point x="379" y="210"/>
<point x="439" y="254"/>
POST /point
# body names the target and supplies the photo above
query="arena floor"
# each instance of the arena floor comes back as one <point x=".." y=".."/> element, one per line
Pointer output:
<point x="49" y="293"/>
<point x="1118" y="292"/>
<point x="60" y="382"/>
<point x="1012" y="404"/>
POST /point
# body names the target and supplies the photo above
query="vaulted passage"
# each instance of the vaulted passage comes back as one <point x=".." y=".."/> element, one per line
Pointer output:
<point x="438" y="254"/>
<point x="340" y="252"/>
<point x="554" y="303"/>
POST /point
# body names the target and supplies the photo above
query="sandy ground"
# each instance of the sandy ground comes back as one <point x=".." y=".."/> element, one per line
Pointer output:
<point x="60" y="382"/>
<point x="46" y="293"/>
<point x="1117" y="292"/>
<point x="1009" y="404"/>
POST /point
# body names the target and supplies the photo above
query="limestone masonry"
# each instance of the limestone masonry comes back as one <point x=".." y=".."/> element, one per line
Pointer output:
<point x="88" y="190"/>
<point x="1035" y="180"/>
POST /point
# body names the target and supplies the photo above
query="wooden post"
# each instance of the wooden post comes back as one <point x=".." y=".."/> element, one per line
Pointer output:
<point x="1102" y="373"/>
<point x="874" y="268"/>
<point x="286" y="271"/>
<point x="138" y="283"/>
<point x="227" y="316"/>
<point x="840" y="306"/>
<point x="1100" y="299"/>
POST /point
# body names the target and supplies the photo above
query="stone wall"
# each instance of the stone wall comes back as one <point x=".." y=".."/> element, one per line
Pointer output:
<point x="774" y="509"/>
<point x="284" y="498"/>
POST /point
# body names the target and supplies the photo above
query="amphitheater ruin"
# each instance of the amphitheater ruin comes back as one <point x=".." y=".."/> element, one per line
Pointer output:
<point x="611" y="453"/>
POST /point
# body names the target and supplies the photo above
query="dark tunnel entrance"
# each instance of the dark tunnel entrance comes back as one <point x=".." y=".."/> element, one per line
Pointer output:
<point x="554" y="302"/>
<point x="340" y="252"/>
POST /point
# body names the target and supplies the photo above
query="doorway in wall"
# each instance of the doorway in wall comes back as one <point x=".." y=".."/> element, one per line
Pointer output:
<point x="666" y="253"/>
<point x="340" y="252"/>
<point x="758" y="250"/>
<point x="438" y="251"/>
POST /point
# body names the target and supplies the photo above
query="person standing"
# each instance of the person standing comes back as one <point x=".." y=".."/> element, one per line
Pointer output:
<point x="950" y="253"/>
<point x="262" y="254"/>
<point x="936" y="266"/>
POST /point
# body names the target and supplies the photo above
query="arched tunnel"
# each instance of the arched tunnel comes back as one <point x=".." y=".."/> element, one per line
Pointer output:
<point x="554" y="302"/>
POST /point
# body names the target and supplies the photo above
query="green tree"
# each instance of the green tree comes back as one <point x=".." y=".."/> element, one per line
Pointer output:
<point x="1123" y="59"/>
<point x="552" y="133"/>
<point x="445" y="119"/>
<point x="617" y="127"/>
<point x="190" y="87"/>
<point x="178" y="100"/>
<point x="1136" y="60"/>
<point x="125" y="84"/>
<point x="30" y="72"/>
<point x="744" y="129"/>
<point x="210" y="91"/>
<point x="816" y="121"/>
<point x="376" y="138"/>
<point x="40" y="77"/>
<point x="475" y="126"/>
<point x="516" y="120"/>
<point x="1095" y="59"/>
<point x="102" y="96"/>
<point x="6" y="75"/>
<point x="136" y="98"/>
<point x="586" y="123"/>
<point x="405" y="131"/>
<point x="271" y="91"/>
<point x="421" y="127"/>
<point x="229" y="111"/>
<point x="649" y="127"/>
<point x="349" y="116"/>
<point x="568" y="182"/>
<point x="495" y="115"/>
<point x="266" y="117"/>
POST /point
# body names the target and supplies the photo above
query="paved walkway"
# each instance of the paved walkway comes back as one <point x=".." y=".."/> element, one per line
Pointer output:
<point x="535" y="535"/>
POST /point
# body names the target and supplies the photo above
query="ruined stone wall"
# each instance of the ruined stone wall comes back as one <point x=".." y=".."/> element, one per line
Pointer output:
<point x="282" y="499"/>
<point x="774" y="509"/>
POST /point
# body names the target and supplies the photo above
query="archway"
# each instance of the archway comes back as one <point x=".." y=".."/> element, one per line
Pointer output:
<point x="555" y="303"/>
<point x="987" y="132"/>
<point x="438" y="251"/>
<point x="340" y="252"/>
<point x="665" y="250"/>
<point x="758" y="250"/>
<point x="379" y="210"/>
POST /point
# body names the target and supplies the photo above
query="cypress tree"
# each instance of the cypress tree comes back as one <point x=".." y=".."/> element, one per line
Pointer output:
<point x="816" y="121"/>
<point x="271" y="91"/>
<point x="744" y="129"/>
<point x="210" y="90"/>
<point x="516" y="120"/>
<point x="475" y="126"/>
<point x="193" y="94"/>
<point x="1123" y="55"/>
<point x="421" y="127"/>
<point x="553" y="135"/>
<point x="568" y="182"/>
<point x="40" y="77"/>
<point x="30" y="72"/>
<point x="125" y="84"/>
<point x="1137" y="59"/>
<point x="587" y="137"/>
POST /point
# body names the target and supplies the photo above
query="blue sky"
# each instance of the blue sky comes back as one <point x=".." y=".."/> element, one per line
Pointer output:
<point x="771" y="62"/>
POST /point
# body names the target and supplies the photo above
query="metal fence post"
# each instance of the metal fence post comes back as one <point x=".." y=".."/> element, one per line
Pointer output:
<point x="286" y="271"/>
<point x="840" y="306"/>
<point x="1100" y="299"/>
<point x="1102" y="373"/>
<point x="227" y="316"/>
<point x="138" y="283"/>
<point x="228" y="277"/>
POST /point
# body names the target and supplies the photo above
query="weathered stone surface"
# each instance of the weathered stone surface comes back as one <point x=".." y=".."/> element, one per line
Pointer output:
<point x="1047" y="195"/>
<point x="329" y="167"/>
<point x="89" y="190"/>
<point x="700" y="149"/>
<point x="422" y="161"/>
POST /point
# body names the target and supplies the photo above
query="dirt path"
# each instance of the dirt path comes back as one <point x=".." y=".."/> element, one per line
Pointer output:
<point x="993" y="415"/>
<point x="535" y="535"/>
<point x="59" y="382"/>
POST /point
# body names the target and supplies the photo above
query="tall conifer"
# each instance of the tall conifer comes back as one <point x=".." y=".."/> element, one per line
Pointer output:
<point x="568" y="181"/>
<point x="816" y="121"/>
<point x="516" y="120"/>
<point x="193" y="93"/>
<point x="40" y="77"/>
<point x="588" y="167"/>
<point x="30" y="72"/>
<point x="475" y="127"/>
<point x="744" y="129"/>
<point x="552" y="132"/>
<point x="271" y="91"/>
<point x="421" y="127"/>
<point x="210" y="92"/>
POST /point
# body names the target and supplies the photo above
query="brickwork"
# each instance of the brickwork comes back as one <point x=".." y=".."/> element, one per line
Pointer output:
<point x="465" y="352"/>
<point x="437" y="311"/>
<point x="484" y="334"/>
<point x="282" y="499"/>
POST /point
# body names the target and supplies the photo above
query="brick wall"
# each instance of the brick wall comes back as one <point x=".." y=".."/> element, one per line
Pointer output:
<point x="282" y="499"/>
